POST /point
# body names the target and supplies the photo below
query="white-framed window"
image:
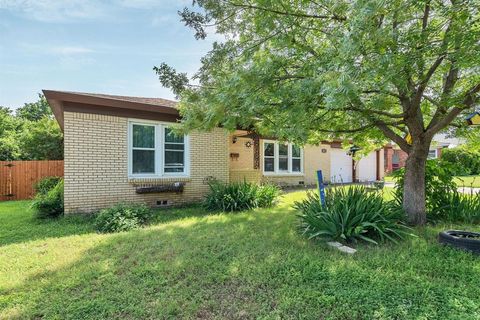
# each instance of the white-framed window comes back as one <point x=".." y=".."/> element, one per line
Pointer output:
<point x="282" y="158"/>
<point x="432" y="154"/>
<point x="154" y="151"/>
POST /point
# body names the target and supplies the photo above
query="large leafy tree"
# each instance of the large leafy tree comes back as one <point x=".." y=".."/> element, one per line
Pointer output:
<point x="32" y="134"/>
<point x="367" y="71"/>
<point x="35" y="111"/>
<point x="9" y="125"/>
<point x="41" y="140"/>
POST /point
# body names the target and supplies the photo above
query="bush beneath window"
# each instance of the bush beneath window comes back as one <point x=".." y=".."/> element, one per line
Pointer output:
<point x="350" y="215"/>
<point x="240" y="196"/>
<point x="48" y="203"/>
<point x="122" y="217"/>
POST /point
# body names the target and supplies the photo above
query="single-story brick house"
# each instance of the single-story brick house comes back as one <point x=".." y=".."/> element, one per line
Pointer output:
<point x="120" y="148"/>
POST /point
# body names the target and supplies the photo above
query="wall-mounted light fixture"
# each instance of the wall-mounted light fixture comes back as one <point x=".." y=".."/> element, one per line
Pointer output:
<point x="353" y="150"/>
<point x="234" y="139"/>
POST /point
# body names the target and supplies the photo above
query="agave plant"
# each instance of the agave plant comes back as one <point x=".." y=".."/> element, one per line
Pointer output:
<point x="351" y="214"/>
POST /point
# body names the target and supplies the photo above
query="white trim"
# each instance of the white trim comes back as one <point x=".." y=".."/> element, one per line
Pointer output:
<point x="276" y="158"/>
<point x="159" y="151"/>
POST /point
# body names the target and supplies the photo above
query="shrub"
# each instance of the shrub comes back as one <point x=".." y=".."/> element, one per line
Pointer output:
<point x="49" y="204"/>
<point x="443" y="201"/>
<point x="240" y="196"/>
<point x="46" y="184"/>
<point x="351" y="214"/>
<point x="439" y="183"/>
<point x="463" y="161"/>
<point x="122" y="217"/>
<point x="267" y="195"/>
<point x="379" y="185"/>
<point x="459" y="208"/>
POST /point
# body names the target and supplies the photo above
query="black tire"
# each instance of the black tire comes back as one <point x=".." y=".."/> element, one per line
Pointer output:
<point x="464" y="240"/>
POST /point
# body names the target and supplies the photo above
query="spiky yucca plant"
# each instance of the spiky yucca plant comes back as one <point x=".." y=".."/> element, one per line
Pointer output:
<point x="351" y="214"/>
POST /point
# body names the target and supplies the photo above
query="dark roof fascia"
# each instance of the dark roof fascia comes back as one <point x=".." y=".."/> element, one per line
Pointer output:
<point x="61" y="101"/>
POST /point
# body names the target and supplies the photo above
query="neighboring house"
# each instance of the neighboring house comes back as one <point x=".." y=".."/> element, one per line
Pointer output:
<point x="395" y="157"/>
<point x="120" y="148"/>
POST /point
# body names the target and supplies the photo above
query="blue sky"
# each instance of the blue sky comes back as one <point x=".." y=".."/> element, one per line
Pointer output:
<point x="92" y="46"/>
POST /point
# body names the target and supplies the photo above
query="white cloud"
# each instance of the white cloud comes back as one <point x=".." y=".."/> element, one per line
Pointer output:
<point x="70" y="50"/>
<point x="147" y="4"/>
<point x="57" y="50"/>
<point x="73" y="10"/>
<point x="55" y="10"/>
<point x="165" y="20"/>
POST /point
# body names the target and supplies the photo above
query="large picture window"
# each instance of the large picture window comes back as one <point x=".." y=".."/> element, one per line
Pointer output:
<point x="155" y="151"/>
<point x="281" y="158"/>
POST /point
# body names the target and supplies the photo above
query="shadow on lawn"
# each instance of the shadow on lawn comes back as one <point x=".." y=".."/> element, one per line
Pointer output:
<point x="242" y="266"/>
<point x="18" y="223"/>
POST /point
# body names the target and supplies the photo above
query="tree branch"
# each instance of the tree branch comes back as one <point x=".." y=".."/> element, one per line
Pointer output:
<point x="284" y="13"/>
<point x="389" y="133"/>
<point x="450" y="80"/>
<point x="393" y="94"/>
<point x="426" y="12"/>
<point x="468" y="102"/>
<point x="362" y="128"/>
<point x="470" y="97"/>
<point x="423" y="84"/>
<point x="383" y="113"/>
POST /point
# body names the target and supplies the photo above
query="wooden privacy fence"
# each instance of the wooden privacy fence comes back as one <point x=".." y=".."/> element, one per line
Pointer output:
<point x="17" y="178"/>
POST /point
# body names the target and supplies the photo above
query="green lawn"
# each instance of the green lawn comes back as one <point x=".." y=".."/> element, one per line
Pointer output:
<point x="467" y="181"/>
<point x="224" y="266"/>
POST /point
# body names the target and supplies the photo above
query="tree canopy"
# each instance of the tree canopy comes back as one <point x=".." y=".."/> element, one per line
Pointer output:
<point x="369" y="71"/>
<point x="310" y="69"/>
<point x="35" y="111"/>
<point x="31" y="134"/>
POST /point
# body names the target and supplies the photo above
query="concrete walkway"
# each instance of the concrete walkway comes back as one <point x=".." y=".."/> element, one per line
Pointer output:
<point x="468" y="190"/>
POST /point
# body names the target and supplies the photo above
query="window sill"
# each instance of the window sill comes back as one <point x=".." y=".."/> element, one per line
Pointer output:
<point x="157" y="179"/>
<point x="284" y="174"/>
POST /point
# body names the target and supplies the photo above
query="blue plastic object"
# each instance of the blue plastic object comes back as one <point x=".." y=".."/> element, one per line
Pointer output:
<point x="321" y="187"/>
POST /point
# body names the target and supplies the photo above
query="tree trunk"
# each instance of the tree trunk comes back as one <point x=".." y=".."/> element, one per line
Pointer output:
<point x="414" y="186"/>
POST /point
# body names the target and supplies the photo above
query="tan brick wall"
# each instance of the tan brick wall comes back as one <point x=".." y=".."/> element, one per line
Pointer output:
<point x="244" y="160"/>
<point x="315" y="160"/>
<point x="248" y="175"/>
<point x="96" y="174"/>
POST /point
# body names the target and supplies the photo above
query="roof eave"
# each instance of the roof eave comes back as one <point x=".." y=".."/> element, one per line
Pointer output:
<point x="56" y="99"/>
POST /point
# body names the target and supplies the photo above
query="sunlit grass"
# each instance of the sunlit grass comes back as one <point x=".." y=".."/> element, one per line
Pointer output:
<point x="461" y="181"/>
<point x="468" y="181"/>
<point x="192" y="264"/>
